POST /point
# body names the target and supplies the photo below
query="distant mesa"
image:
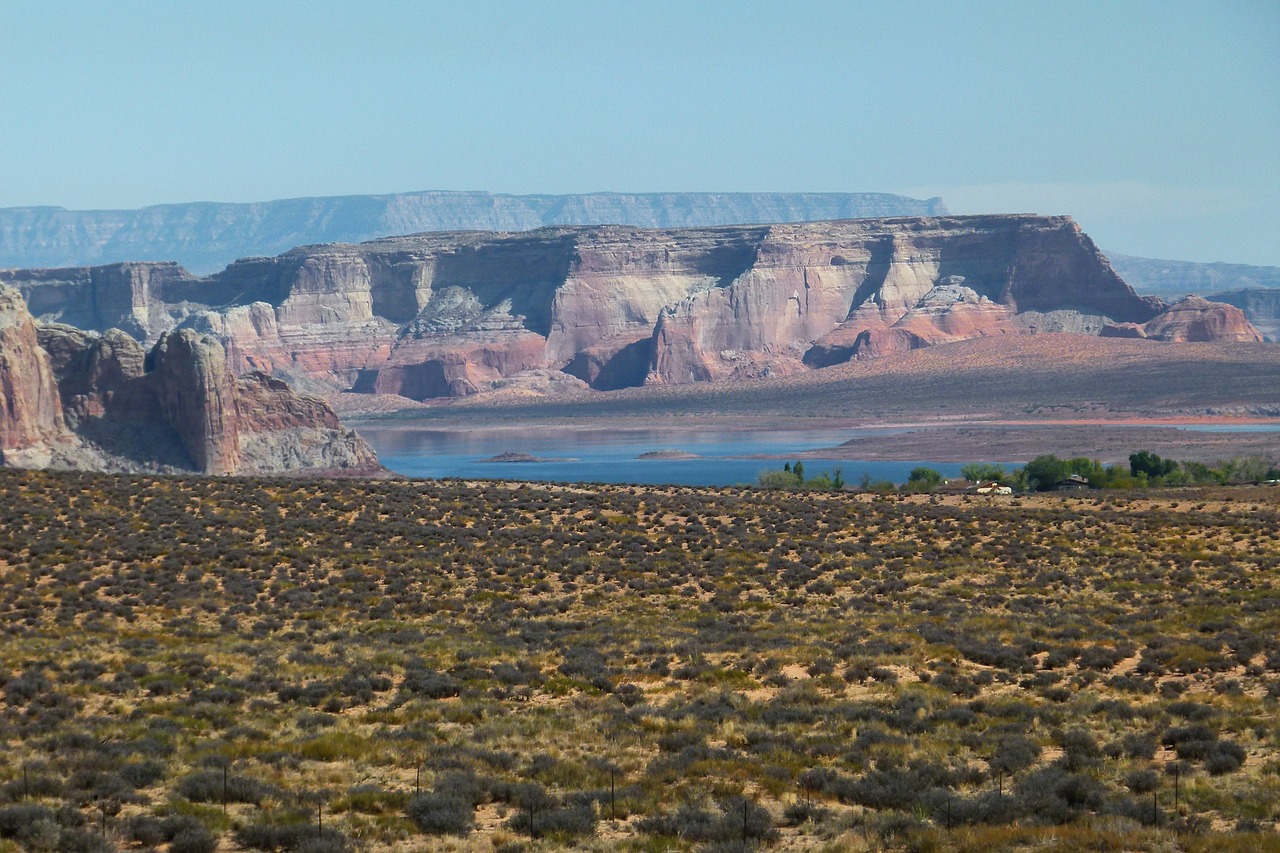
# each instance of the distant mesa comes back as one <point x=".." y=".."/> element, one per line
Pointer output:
<point x="448" y="315"/>
<point x="206" y="236"/>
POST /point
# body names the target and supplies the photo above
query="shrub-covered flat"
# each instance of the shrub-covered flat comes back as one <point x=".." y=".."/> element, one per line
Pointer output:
<point x="207" y="664"/>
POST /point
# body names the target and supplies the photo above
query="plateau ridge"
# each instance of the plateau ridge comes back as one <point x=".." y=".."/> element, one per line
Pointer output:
<point x="454" y="314"/>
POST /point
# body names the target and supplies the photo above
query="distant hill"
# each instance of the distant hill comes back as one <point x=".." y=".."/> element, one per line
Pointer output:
<point x="206" y="236"/>
<point x="1254" y="290"/>
<point x="1174" y="279"/>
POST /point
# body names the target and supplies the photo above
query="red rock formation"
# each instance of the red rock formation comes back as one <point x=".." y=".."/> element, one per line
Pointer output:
<point x="1198" y="320"/>
<point x="1191" y="319"/>
<point x="280" y="431"/>
<point x="453" y="365"/>
<point x="255" y="423"/>
<point x="197" y="394"/>
<point x="445" y="314"/>
<point x="179" y="407"/>
<point x="30" y="409"/>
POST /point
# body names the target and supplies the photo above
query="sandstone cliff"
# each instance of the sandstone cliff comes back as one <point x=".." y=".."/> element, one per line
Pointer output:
<point x="78" y="399"/>
<point x="453" y="314"/>
<point x="197" y="394"/>
<point x="29" y="407"/>
<point x="1193" y="320"/>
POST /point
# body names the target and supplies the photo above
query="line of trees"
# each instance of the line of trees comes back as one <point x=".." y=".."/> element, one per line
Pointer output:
<point x="793" y="477"/>
<point x="1044" y="473"/>
<point x="1144" y="469"/>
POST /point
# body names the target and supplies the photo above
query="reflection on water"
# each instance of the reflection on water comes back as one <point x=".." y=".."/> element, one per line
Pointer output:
<point x="612" y="456"/>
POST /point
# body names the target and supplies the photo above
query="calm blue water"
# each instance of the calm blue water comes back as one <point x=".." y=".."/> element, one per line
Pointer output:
<point x="610" y="456"/>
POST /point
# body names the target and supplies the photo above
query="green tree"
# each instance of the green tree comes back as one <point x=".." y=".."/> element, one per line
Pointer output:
<point x="1155" y="468"/>
<point x="1200" y="473"/>
<point x="1043" y="472"/>
<point x="985" y="472"/>
<point x="784" y="479"/>
<point x="923" y="479"/>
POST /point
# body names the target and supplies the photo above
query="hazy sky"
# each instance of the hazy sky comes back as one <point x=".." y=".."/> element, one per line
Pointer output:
<point x="1157" y="125"/>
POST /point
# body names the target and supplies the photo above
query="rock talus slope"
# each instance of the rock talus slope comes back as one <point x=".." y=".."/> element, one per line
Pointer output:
<point x="452" y="314"/>
<point x="80" y="399"/>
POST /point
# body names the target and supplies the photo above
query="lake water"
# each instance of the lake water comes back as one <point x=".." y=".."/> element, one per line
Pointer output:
<point x="612" y="456"/>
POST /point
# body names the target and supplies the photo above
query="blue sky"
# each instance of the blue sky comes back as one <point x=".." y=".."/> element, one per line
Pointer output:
<point x="1157" y="125"/>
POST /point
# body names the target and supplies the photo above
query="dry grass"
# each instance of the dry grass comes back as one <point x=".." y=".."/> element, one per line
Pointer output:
<point x="936" y="673"/>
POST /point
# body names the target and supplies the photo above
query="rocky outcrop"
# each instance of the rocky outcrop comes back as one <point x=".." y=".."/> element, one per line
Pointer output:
<point x="206" y="237"/>
<point x="451" y="314"/>
<point x="1198" y="320"/>
<point x="77" y="399"/>
<point x="99" y="375"/>
<point x="197" y="394"/>
<point x="30" y="412"/>
<point x="281" y="432"/>
<point x="1194" y="320"/>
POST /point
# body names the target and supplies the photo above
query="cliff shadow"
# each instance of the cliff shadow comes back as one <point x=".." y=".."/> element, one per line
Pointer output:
<point x="878" y="265"/>
<point x="527" y="272"/>
<point x="627" y="368"/>
<point x="147" y="445"/>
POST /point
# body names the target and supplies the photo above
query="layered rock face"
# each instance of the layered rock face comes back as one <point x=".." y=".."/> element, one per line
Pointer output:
<point x="1194" y="320"/>
<point x="29" y="406"/>
<point x="78" y="399"/>
<point x="451" y="314"/>
<point x="197" y="394"/>
<point x="143" y="299"/>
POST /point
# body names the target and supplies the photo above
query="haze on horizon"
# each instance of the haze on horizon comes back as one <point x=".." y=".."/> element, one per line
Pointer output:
<point x="1156" y="125"/>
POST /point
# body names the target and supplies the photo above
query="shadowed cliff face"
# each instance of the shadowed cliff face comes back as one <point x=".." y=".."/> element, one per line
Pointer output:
<point x="452" y="314"/>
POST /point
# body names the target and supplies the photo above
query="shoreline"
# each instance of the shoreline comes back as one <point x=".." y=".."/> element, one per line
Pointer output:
<point x="988" y="439"/>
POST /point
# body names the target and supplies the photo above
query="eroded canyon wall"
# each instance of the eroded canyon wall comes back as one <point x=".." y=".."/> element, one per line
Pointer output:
<point x="451" y="314"/>
<point x="71" y="398"/>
